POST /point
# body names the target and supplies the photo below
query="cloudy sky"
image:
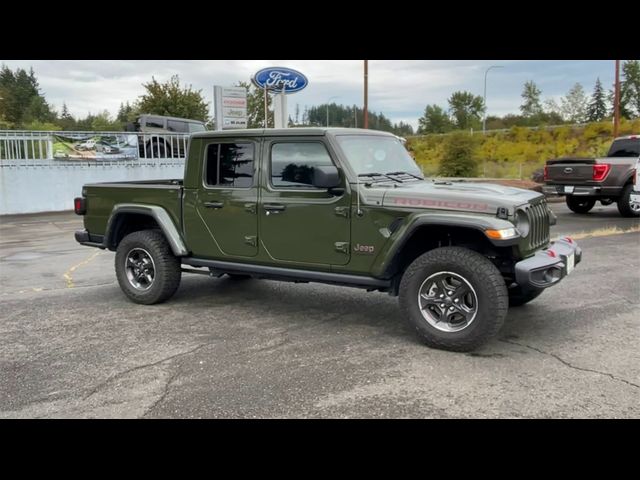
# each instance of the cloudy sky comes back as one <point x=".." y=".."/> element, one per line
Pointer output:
<point x="399" y="88"/>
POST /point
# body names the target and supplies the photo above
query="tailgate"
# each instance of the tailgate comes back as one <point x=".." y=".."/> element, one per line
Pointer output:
<point x="570" y="170"/>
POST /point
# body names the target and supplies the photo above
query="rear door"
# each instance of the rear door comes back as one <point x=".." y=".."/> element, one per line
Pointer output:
<point x="227" y="200"/>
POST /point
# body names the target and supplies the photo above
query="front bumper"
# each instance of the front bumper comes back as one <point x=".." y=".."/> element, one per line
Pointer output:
<point x="547" y="267"/>
<point x="581" y="190"/>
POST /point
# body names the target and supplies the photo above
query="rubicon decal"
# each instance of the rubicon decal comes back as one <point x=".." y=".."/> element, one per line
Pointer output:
<point x="444" y="204"/>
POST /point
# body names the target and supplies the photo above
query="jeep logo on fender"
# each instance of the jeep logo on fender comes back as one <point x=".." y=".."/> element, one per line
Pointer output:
<point x="367" y="249"/>
<point x="448" y="204"/>
<point x="280" y="79"/>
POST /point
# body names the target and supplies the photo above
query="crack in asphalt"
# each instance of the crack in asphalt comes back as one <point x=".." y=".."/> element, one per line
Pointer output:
<point x="100" y="386"/>
<point x="164" y="394"/>
<point x="564" y="362"/>
<point x="42" y="289"/>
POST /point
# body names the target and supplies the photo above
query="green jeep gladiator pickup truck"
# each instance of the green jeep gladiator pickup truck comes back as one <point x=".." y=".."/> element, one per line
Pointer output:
<point x="340" y="206"/>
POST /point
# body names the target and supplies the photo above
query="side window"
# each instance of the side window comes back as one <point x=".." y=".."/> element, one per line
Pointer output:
<point x="177" y="126"/>
<point x="196" y="127"/>
<point x="229" y="165"/>
<point x="292" y="163"/>
<point x="154" y="122"/>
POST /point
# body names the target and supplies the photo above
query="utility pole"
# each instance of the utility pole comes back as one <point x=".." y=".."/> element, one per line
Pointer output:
<point x="616" y="102"/>
<point x="331" y="98"/>
<point x="366" y="94"/>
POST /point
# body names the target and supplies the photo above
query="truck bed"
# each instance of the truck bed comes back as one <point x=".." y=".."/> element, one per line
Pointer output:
<point x="103" y="197"/>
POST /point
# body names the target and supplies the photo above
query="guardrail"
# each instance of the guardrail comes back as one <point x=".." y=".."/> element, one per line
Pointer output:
<point x="91" y="146"/>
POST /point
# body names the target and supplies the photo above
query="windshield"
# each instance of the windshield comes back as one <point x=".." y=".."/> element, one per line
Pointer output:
<point x="377" y="154"/>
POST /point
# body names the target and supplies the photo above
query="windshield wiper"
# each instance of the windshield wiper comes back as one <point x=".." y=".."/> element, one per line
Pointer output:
<point x="405" y="173"/>
<point x="375" y="174"/>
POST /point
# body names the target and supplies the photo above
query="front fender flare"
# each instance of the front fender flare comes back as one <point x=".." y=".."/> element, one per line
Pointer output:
<point x="401" y="236"/>
<point x="161" y="217"/>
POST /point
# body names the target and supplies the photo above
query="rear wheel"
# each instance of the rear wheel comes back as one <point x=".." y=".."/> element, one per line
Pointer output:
<point x="625" y="206"/>
<point x="455" y="298"/>
<point x="146" y="268"/>
<point x="580" y="204"/>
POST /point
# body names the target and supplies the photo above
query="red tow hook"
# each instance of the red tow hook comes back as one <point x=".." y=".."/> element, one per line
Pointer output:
<point x="551" y="253"/>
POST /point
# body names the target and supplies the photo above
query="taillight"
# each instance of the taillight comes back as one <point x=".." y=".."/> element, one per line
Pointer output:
<point x="600" y="171"/>
<point x="546" y="173"/>
<point x="79" y="205"/>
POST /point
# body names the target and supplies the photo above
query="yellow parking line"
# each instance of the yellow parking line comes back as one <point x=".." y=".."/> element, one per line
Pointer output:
<point x="67" y="274"/>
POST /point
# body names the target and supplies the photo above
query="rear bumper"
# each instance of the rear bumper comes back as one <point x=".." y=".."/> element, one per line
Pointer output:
<point x="548" y="267"/>
<point x="85" y="238"/>
<point x="582" y="190"/>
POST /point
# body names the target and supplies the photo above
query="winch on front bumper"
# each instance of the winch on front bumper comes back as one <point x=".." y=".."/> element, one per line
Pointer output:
<point x="547" y="267"/>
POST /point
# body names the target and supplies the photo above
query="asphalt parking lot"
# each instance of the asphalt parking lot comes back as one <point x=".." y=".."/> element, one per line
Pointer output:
<point x="71" y="345"/>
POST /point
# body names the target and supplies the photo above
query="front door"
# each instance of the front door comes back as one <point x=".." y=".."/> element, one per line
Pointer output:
<point x="300" y="223"/>
<point x="227" y="201"/>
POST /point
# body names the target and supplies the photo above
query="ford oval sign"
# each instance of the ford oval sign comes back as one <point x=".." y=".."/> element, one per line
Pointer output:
<point x="280" y="79"/>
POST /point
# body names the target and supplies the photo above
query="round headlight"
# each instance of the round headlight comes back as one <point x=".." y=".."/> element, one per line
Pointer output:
<point x="522" y="222"/>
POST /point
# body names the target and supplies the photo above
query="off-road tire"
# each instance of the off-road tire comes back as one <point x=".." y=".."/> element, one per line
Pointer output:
<point x="580" y="204"/>
<point x="482" y="275"/>
<point x="518" y="298"/>
<point x="624" y="206"/>
<point x="166" y="265"/>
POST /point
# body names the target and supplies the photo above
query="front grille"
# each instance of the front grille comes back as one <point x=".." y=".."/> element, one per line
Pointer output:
<point x="538" y="216"/>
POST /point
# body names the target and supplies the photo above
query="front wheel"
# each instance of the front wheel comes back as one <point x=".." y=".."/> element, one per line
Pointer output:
<point x="626" y="207"/>
<point x="455" y="298"/>
<point x="580" y="204"/>
<point x="146" y="268"/>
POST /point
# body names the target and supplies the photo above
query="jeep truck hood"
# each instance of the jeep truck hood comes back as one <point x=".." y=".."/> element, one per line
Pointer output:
<point x="457" y="196"/>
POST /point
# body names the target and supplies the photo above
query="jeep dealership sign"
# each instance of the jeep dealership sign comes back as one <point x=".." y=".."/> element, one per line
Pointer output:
<point x="280" y="80"/>
<point x="230" y="107"/>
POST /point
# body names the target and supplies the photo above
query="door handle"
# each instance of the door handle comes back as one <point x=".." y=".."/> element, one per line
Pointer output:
<point x="273" y="208"/>
<point x="213" y="205"/>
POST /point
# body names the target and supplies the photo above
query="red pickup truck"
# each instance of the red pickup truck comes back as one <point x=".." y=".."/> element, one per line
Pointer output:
<point x="583" y="181"/>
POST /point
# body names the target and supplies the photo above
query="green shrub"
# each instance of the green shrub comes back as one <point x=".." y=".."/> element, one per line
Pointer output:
<point x="459" y="156"/>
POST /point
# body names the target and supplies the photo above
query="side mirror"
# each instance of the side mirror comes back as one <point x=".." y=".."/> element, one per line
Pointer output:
<point x="326" y="177"/>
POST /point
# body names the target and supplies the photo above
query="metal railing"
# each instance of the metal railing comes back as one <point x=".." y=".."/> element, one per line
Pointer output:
<point x="26" y="145"/>
<point x="499" y="130"/>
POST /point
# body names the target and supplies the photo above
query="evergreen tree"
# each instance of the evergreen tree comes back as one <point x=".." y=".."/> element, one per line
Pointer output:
<point x="597" y="108"/>
<point x="630" y="89"/>
<point x="21" y="101"/>
<point x="434" y="120"/>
